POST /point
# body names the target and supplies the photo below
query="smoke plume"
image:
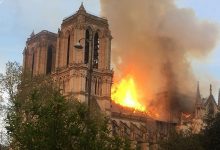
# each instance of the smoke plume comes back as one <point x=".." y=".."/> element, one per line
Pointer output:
<point x="151" y="41"/>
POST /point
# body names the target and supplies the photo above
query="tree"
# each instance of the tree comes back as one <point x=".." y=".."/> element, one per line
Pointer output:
<point x="41" y="118"/>
<point x="11" y="79"/>
<point x="1" y="105"/>
<point x="181" y="141"/>
<point x="211" y="139"/>
<point x="3" y="137"/>
<point x="208" y="139"/>
<point x="8" y="86"/>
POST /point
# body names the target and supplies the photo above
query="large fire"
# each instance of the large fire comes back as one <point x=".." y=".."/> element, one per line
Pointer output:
<point x="125" y="94"/>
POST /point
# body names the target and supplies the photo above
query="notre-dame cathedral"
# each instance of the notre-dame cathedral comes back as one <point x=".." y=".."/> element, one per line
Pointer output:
<point x="78" y="58"/>
<point x="50" y="53"/>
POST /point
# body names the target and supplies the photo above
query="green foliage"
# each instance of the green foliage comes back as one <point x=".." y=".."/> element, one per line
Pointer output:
<point x="11" y="79"/>
<point x="8" y="86"/>
<point x="41" y="118"/>
<point x="180" y="141"/>
<point x="1" y="104"/>
<point x="211" y="139"/>
<point x="207" y="140"/>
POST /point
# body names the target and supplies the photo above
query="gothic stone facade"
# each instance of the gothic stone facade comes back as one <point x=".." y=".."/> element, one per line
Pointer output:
<point x="204" y="107"/>
<point x="54" y="54"/>
<point x="48" y="53"/>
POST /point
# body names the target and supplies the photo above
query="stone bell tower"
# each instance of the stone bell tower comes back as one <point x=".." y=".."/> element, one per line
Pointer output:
<point x="40" y="53"/>
<point x="81" y="73"/>
<point x="75" y="67"/>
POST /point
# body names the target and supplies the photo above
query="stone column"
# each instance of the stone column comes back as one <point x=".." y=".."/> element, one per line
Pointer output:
<point x="24" y="59"/>
<point x="57" y="52"/>
<point x="108" y="59"/>
<point x="44" y="58"/>
<point x="145" y="146"/>
<point x="133" y="144"/>
<point x="65" y="51"/>
<point x="38" y="59"/>
<point x="71" y="53"/>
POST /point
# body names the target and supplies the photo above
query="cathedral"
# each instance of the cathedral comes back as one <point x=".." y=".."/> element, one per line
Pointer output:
<point x="78" y="58"/>
<point x="204" y="107"/>
<point x="54" y="54"/>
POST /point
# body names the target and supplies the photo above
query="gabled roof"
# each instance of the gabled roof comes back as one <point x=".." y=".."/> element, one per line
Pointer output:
<point x="83" y="11"/>
<point x="210" y="100"/>
<point x="41" y="33"/>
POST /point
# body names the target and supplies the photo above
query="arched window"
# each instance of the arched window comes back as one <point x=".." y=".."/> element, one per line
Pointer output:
<point x="96" y="51"/>
<point x="86" y="53"/>
<point x="49" y="59"/>
<point x="86" y="85"/>
<point x="32" y="67"/>
<point x="96" y="86"/>
<point x="100" y="86"/>
<point x="68" y="51"/>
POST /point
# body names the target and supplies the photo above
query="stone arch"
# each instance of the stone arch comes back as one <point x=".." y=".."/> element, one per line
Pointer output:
<point x="99" y="32"/>
<point x="67" y="32"/>
<point x="90" y="28"/>
<point x="115" y="128"/>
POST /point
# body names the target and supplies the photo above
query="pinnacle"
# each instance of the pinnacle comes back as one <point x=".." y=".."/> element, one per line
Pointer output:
<point x="82" y="8"/>
<point x="198" y="96"/>
<point x="210" y="89"/>
<point x="32" y="34"/>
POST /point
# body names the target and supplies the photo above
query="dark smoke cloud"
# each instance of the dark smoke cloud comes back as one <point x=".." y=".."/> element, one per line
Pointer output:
<point x="152" y="39"/>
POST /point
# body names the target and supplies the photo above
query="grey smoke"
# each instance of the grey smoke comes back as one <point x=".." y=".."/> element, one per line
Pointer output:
<point x="151" y="34"/>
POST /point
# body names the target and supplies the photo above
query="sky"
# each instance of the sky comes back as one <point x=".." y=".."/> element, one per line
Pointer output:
<point x="208" y="69"/>
<point x="18" y="18"/>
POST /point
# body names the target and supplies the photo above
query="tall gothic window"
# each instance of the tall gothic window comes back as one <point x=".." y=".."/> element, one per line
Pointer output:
<point x="96" y="51"/>
<point x="86" y="85"/>
<point x="96" y="86"/>
<point x="68" y="51"/>
<point x="49" y="59"/>
<point x="86" y="53"/>
<point x="32" y="67"/>
<point x="100" y="86"/>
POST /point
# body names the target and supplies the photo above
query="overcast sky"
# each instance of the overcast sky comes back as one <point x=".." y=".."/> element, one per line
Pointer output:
<point x="18" y="18"/>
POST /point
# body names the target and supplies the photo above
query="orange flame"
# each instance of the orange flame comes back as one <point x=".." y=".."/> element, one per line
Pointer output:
<point x="186" y="115"/>
<point x="125" y="94"/>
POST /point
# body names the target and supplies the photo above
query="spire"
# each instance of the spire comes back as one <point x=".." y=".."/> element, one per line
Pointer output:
<point x="82" y="8"/>
<point x="219" y="98"/>
<point x="32" y="34"/>
<point x="198" y="95"/>
<point x="198" y="91"/>
<point x="210" y="89"/>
